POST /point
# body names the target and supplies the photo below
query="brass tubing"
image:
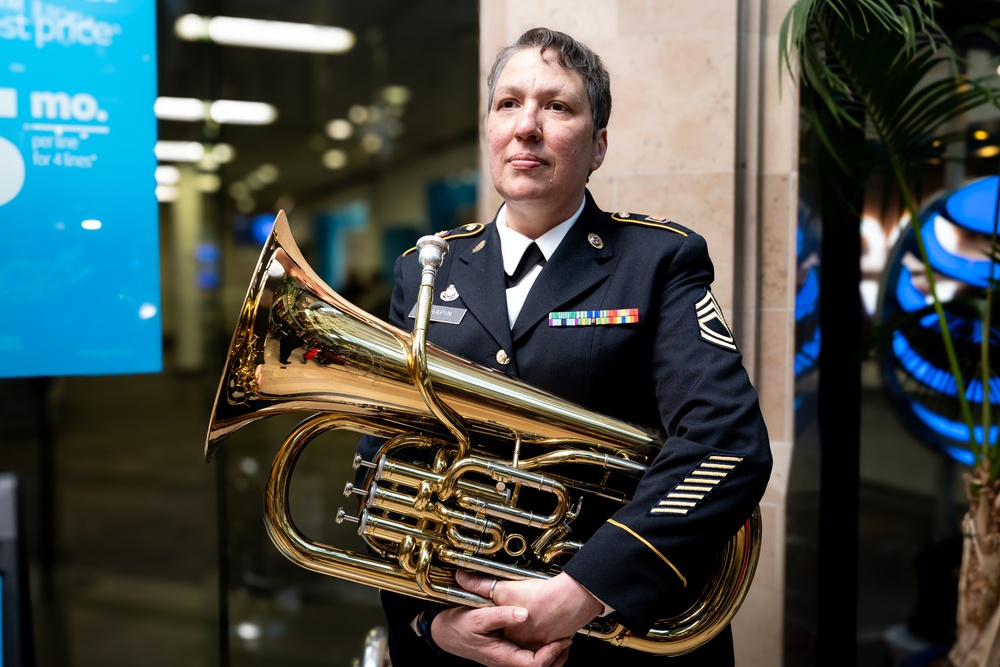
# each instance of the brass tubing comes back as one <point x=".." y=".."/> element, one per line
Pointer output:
<point x="599" y="459"/>
<point x="513" y="514"/>
<point x="400" y="503"/>
<point x="388" y="500"/>
<point x="407" y="474"/>
<point x="313" y="555"/>
<point x="498" y="569"/>
<point x="473" y="544"/>
<point x="559" y="549"/>
<point x="608" y="492"/>
<point x="432" y="250"/>
<point x="503" y="473"/>
<point x="471" y="521"/>
<point x="427" y="584"/>
<point x="394" y="531"/>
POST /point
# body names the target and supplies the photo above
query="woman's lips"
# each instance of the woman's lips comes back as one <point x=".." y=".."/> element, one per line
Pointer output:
<point x="526" y="161"/>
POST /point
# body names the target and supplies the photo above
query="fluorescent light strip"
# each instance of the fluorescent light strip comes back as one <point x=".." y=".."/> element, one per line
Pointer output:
<point x="242" y="113"/>
<point x="179" y="108"/>
<point x="179" y="151"/>
<point x="224" y="112"/>
<point x="192" y="151"/>
<point x="277" y="35"/>
<point x="167" y="175"/>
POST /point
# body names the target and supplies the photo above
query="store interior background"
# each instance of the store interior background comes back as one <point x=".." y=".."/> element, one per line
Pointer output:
<point x="140" y="552"/>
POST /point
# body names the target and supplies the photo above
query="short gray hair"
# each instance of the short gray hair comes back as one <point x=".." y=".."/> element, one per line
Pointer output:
<point x="571" y="54"/>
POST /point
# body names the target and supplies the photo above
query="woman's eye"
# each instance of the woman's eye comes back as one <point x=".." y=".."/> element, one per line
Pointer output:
<point x="557" y="106"/>
<point x="507" y="104"/>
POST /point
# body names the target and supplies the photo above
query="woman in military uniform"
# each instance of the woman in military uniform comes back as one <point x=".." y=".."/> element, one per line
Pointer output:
<point x="614" y="312"/>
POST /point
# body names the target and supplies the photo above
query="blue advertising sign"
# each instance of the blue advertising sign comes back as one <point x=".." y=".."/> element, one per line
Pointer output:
<point x="78" y="210"/>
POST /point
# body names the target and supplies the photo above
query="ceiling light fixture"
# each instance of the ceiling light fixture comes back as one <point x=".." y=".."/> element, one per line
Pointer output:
<point x="167" y="175"/>
<point x="179" y="108"/>
<point x="242" y="113"/>
<point x="179" y="151"/>
<point x="277" y="35"/>
<point x="223" y="112"/>
<point x="192" y="151"/>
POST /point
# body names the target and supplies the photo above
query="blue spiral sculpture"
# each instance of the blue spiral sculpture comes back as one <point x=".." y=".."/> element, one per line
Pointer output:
<point x="956" y="229"/>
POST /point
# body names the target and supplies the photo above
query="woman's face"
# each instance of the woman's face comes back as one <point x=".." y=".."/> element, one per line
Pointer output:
<point x="540" y="134"/>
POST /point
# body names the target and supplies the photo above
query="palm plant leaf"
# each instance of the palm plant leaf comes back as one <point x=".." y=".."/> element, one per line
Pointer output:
<point x="884" y="67"/>
<point x="803" y="41"/>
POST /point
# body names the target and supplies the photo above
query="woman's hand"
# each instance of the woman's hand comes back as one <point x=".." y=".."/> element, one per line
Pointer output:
<point x="478" y="634"/>
<point x="557" y="607"/>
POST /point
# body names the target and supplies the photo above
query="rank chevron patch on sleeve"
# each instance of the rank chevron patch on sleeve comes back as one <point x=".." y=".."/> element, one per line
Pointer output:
<point x="697" y="484"/>
<point x="712" y="323"/>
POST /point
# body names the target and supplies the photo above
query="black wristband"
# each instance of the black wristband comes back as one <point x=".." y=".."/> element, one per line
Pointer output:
<point x="424" y="626"/>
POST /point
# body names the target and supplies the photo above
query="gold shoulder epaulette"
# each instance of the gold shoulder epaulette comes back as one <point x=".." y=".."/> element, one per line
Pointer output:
<point x="462" y="232"/>
<point x="648" y="221"/>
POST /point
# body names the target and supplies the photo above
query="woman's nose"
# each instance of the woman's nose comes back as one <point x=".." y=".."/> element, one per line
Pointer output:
<point x="527" y="125"/>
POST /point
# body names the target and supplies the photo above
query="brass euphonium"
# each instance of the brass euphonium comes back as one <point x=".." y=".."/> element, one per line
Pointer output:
<point x="488" y="443"/>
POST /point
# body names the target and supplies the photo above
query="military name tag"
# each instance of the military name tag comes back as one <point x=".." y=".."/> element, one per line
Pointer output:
<point x="444" y="314"/>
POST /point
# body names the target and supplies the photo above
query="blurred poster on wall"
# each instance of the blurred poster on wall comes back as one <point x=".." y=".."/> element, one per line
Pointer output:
<point x="78" y="213"/>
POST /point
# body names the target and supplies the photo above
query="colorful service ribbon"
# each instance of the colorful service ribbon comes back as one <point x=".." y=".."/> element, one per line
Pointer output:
<point x="586" y="318"/>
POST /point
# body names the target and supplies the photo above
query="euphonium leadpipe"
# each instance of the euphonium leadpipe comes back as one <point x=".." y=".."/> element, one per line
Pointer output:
<point x="464" y="445"/>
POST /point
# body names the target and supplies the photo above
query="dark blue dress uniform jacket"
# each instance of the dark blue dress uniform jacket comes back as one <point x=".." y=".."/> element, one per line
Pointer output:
<point x="677" y="369"/>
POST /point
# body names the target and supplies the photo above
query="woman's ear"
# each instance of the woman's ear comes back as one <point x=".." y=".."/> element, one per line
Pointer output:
<point x="600" y="148"/>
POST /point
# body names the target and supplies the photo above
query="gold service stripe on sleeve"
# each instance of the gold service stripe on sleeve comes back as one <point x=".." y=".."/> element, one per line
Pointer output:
<point x="651" y="548"/>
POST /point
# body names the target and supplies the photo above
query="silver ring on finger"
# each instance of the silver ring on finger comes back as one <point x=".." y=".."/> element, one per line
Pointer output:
<point x="492" y="586"/>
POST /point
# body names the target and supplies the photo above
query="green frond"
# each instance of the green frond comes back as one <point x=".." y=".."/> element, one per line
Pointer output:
<point x="887" y="67"/>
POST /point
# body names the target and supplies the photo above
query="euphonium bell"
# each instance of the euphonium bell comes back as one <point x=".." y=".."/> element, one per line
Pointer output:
<point x="478" y="471"/>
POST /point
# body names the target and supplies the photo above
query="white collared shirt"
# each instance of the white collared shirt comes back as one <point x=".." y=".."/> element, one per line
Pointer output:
<point x="512" y="246"/>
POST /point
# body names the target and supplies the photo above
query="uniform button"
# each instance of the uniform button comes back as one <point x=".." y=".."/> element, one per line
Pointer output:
<point x="502" y="358"/>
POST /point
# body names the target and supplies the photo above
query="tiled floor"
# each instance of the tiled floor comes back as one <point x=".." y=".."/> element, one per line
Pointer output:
<point x="135" y="574"/>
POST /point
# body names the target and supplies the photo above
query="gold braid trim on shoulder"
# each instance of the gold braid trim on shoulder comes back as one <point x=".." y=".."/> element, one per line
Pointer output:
<point x="646" y="221"/>
<point x="465" y="231"/>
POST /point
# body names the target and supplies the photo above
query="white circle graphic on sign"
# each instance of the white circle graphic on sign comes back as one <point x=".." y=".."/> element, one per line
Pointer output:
<point x="11" y="171"/>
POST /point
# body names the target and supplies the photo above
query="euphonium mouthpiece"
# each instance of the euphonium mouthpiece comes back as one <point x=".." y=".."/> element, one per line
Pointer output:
<point x="432" y="250"/>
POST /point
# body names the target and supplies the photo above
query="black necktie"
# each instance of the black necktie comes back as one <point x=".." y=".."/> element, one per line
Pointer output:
<point x="532" y="255"/>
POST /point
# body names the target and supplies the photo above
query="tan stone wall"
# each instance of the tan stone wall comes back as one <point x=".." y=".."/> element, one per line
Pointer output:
<point x="700" y="134"/>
